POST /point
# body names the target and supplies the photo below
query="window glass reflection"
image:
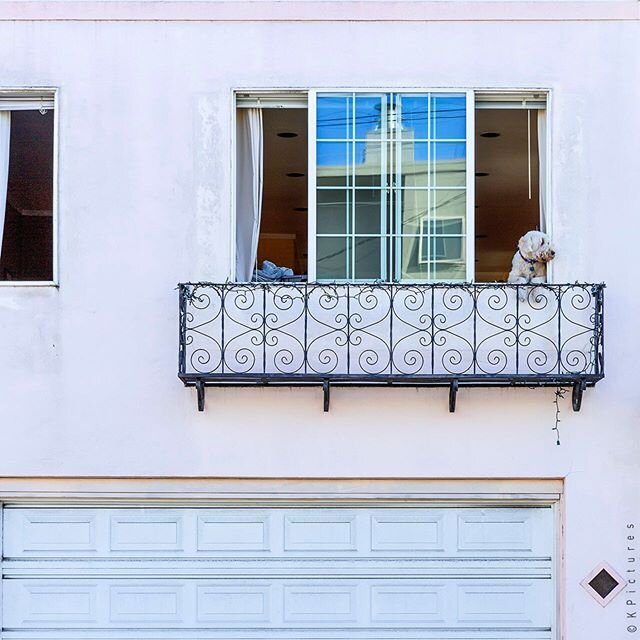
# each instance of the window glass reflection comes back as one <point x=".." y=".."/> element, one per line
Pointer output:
<point x="332" y="258"/>
<point x="332" y="211"/>
<point x="413" y="205"/>
<point x="367" y="211"/>
<point x="333" y="118"/>
<point x="449" y="117"/>
<point x="333" y="164"/>
<point x="447" y="203"/>
<point x="414" y="164"/>
<point x="449" y="164"/>
<point x="414" y="116"/>
<point x="368" y="164"/>
<point x="369" y="112"/>
<point x="391" y="177"/>
<point x="368" y="258"/>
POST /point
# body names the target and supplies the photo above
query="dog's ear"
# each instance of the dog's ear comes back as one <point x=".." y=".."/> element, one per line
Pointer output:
<point x="524" y="244"/>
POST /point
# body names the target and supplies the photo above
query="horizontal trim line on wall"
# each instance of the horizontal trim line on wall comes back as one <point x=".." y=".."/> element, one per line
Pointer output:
<point x="279" y="491"/>
<point x="319" y="10"/>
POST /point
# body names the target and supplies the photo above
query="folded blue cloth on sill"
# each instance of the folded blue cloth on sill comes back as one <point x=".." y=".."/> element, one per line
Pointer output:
<point x="271" y="272"/>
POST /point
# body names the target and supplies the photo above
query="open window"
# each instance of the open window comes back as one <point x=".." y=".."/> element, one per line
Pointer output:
<point x="510" y="177"/>
<point x="26" y="186"/>
<point x="272" y="187"/>
<point x="387" y="186"/>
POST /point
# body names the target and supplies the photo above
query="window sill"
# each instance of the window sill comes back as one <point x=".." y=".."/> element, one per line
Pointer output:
<point x="28" y="283"/>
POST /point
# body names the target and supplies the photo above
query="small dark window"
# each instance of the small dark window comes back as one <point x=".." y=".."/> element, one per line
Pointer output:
<point x="27" y="234"/>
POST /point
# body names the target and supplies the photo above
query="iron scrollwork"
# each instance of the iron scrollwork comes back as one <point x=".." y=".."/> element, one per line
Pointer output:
<point x="392" y="333"/>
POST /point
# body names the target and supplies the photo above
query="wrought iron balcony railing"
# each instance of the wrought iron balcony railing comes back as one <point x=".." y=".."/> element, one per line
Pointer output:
<point x="391" y="334"/>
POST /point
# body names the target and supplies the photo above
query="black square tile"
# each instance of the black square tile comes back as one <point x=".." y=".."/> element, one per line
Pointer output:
<point x="603" y="583"/>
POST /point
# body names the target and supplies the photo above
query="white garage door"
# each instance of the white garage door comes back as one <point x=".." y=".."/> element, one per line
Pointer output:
<point x="292" y="573"/>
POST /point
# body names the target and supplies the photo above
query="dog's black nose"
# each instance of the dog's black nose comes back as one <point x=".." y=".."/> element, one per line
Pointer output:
<point x="553" y="253"/>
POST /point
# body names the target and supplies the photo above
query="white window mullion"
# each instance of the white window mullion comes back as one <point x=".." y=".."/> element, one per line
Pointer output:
<point x="430" y="181"/>
<point x="351" y="241"/>
<point x="470" y="187"/>
<point x="394" y="194"/>
<point x="385" y="157"/>
<point x="311" y="188"/>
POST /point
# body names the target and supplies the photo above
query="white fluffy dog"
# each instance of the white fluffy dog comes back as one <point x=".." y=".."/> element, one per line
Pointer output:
<point x="529" y="264"/>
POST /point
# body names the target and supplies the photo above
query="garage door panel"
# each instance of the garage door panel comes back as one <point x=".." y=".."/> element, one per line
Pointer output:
<point x="109" y="533"/>
<point x="277" y="603"/>
<point x="233" y="531"/>
<point x="396" y="531"/>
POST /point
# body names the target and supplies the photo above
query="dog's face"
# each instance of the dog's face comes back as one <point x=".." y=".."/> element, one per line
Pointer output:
<point x="537" y="246"/>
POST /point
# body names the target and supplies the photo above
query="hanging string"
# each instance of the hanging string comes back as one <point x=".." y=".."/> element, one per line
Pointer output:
<point x="559" y="395"/>
<point x="529" y="149"/>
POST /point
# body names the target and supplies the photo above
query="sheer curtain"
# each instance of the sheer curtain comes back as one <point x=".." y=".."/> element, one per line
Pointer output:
<point x="249" y="178"/>
<point x="542" y="168"/>
<point x="5" y="132"/>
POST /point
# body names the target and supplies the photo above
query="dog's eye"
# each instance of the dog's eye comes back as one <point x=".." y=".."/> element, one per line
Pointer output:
<point x="542" y="240"/>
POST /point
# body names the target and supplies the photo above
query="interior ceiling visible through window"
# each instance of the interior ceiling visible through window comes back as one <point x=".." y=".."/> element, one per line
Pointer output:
<point x="504" y="211"/>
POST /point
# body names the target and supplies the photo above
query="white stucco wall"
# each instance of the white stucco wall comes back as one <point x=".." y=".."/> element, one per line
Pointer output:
<point x="88" y="380"/>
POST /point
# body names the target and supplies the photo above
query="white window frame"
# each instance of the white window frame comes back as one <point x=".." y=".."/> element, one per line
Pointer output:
<point x="498" y="97"/>
<point x="50" y="96"/>
<point x="469" y="186"/>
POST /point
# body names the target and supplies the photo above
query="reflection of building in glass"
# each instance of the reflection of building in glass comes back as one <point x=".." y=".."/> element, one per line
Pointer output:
<point x="398" y="203"/>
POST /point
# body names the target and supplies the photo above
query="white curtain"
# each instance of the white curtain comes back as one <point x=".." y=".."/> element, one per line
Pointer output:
<point x="542" y="168"/>
<point x="5" y="132"/>
<point x="249" y="177"/>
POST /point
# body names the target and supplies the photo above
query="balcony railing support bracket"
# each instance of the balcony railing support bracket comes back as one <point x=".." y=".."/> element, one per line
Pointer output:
<point x="576" y="396"/>
<point x="453" y="394"/>
<point x="326" y="389"/>
<point x="200" y="391"/>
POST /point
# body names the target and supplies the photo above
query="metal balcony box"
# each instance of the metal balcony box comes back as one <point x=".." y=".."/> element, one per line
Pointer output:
<point x="450" y="335"/>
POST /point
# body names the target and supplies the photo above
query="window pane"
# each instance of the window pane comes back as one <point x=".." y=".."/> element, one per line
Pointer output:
<point x="415" y="265"/>
<point x="332" y="258"/>
<point x="368" y="117"/>
<point x="414" y="164"/>
<point x="449" y="271"/>
<point x="447" y="247"/>
<point x="414" y="208"/>
<point x="452" y="227"/>
<point x="334" y="114"/>
<point x="367" y="211"/>
<point x="368" y="169"/>
<point x="367" y="258"/>
<point x="449" y="164"/>
<point x="448" y="114"/>
<point x="447" y="204"/>
<point x="416" y="189"/>
<point x="333" y="210"/>
<point x="414" y="114"/>
<point x="334" y="164"/>
<point x="433" y="257"/>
